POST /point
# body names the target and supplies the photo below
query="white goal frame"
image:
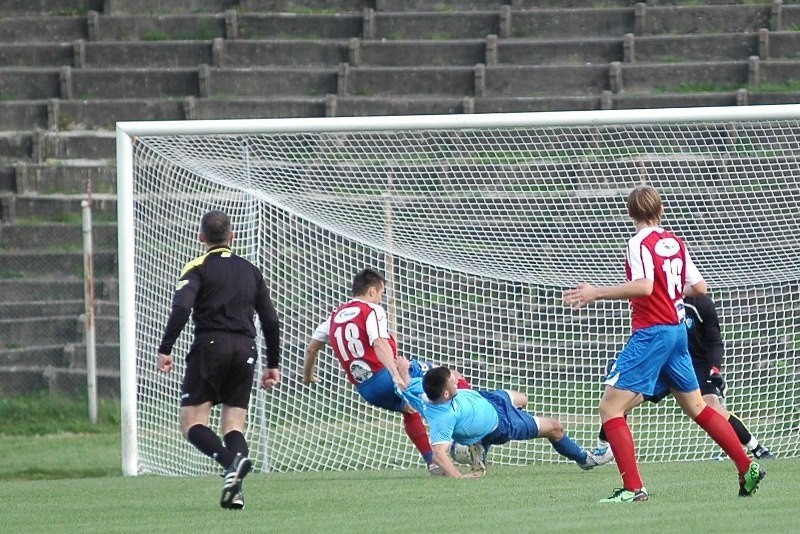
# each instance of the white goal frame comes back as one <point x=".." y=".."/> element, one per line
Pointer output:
<point x="126" y="132"/>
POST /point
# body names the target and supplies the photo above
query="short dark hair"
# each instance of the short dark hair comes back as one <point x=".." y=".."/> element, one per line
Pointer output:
<point x="216" y="227"/>
<point x="435" y="382"/>
<point x="366" y="279"/>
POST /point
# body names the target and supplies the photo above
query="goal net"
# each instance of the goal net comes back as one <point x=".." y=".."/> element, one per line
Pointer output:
<point x="479" y="223"/>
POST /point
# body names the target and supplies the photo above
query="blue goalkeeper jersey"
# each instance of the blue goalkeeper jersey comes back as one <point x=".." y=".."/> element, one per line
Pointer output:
<point x="466" y="418"/>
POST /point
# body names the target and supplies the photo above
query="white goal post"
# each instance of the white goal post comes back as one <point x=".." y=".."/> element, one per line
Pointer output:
<point x="478" y="222"/>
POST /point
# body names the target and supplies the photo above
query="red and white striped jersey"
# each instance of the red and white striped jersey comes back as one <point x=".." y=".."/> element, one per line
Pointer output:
<point x="352" y="330"/>
<point x="660" y="256"/>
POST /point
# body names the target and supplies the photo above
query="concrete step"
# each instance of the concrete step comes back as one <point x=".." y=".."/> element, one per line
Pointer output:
<point x="386" y="81"/>
<point x="170" y="27"/>
<point x="161" y="7"/>
<point x="77" y="115"/>
<point x="129" y="83"/>
<point x="677" y="100"/>
<point x="755" y="98"/>
<point x="718" y="76"/>
<point x="7" y="179"/>
<point x="309" y="6"/>
<point x="432" y="25"/>
<point x="25" y="264"/>
<point x="20" y="310"/>
<point x="16" y="145"/>
<point x="55" y="207"/>
<point x="35" y="54"/>
<point x="359" y="106"/>
<point x="42" y="356"/>
<point x="576" y="22"/>
<point x="104" y="113"/>
<point x="524" y="104"/>
<point x="142" y="54"/>
<point x="544" y="80"/>
<point x="38" y="331"/>
<point x="776" y="75"/>
<point x="248" y="108"/>
<point x="572" y="51"/>
<point x="264" y="81"/>
<point x="25" y="380"/>
<point x="305" y="26"/>
<point x="71" y="356"/>
<point x="779" y="45"/>
<point x="280" y="52"/>
<point x="29" y="83"/>
<point x="218" y="52"/>
<point x="15" y="8"/>
<point x="570" y="4"/>
<point x="440" y="5"/>
<point x="48" y="235"/>
<point x="789" y="19"/>
<point x="106" y="356"/>
<point x="42" y="145"/>
<point x="79" y="145"/>
<point x="700" y="47"/>
<point x="16" y="115"/>
<point x="37" y="29"/>
<point x="106" y="289"/>
<point x="465" y="52"/>
<point x="68" y="176"/>
<point x="658" y="20"/>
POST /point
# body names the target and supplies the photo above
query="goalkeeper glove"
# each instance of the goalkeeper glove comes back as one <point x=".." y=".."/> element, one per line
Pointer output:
<point x="718" y="381"/>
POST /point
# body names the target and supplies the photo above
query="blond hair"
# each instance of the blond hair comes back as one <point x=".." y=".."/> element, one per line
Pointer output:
<point x="644" y="204"/>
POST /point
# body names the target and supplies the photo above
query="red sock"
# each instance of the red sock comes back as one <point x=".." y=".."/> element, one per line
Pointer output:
<point x="415" y="429"/>
<point x="722" y="432"/>
<point x="462" y="383"/>
<point x="621" y="441"/>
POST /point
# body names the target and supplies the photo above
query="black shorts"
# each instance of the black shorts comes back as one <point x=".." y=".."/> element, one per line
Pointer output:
<point x="706" y="387"/>
<point x="219" y="369"/>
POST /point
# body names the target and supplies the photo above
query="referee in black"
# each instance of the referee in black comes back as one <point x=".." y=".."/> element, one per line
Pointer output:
<point x="221" y="291"/>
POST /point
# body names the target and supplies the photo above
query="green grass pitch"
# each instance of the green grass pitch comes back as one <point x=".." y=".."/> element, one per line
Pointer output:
<point x="64" y="477"/>
<point x="684" y="497"/>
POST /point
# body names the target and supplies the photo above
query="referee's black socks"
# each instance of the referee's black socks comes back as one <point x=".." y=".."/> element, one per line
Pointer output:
<point x="209" y="444"/>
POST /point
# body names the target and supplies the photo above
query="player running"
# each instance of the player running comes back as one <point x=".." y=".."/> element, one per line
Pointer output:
<point x="659" y="271"/>
<point x="706" y="349"/>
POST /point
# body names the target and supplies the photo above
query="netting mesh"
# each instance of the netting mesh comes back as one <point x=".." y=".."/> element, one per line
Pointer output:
<point x="478" y="232"/>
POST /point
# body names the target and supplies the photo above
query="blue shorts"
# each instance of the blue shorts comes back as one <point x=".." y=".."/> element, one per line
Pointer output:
<point x="653" y="360"/>
<point x="378" y="390"/>
<point x="701" y="372"/>
<point x="513" y="423"/>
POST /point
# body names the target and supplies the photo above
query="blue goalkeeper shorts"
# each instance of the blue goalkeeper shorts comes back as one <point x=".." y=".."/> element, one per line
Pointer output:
<point x="512" y="423"/>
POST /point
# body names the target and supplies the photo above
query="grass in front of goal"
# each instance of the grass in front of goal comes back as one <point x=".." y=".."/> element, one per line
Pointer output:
<point x="685" y="497"/>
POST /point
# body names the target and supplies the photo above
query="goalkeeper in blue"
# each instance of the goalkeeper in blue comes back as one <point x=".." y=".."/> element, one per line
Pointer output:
<point x="480" y="419"/>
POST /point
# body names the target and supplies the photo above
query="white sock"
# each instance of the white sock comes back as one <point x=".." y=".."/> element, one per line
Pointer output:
<point x="752" y="444"/>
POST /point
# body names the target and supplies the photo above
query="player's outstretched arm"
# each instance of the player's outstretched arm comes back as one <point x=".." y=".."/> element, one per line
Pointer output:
<point x="441" y="457"/>
<point x="585" y="294"/>
<point x="310" y="363"/>
<point x="403" y="366"/>
<point x="385" y="354"/>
